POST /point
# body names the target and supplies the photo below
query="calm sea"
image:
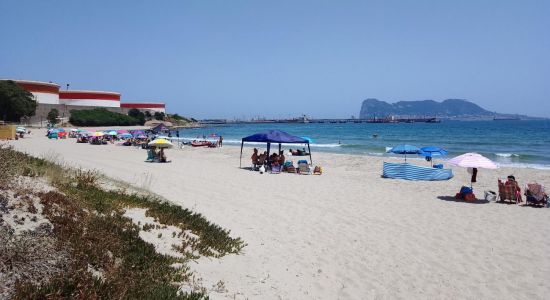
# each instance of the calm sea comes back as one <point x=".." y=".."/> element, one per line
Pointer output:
<point x="509" y="143"/>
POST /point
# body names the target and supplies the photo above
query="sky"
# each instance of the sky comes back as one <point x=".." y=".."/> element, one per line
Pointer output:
<point x="242" y="59"/>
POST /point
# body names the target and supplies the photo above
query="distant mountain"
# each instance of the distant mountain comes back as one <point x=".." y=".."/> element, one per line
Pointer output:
<point x="447" y="108"/>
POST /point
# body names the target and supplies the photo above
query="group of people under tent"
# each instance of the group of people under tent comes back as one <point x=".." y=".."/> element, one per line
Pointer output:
<point x="275" y="159"/>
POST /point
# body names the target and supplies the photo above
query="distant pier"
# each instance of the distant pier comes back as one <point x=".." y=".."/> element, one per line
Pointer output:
<point x="319" y="121"/>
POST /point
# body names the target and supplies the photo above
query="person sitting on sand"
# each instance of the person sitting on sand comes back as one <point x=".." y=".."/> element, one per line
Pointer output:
<point x="162" y="155"/>
<point x="262" y="158"/>
<point x="274" y="159"/>
<point x="281" y="158"/>
<point x="153" y="150"/>
<point x="514" y="185"/>
<point x="255" y="157"/>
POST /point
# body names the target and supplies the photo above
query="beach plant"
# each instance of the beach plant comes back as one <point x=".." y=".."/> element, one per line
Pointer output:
<point x="89" y="224"/>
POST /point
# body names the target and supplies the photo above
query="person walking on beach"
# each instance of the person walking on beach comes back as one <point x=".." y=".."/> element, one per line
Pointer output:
<point x="220" y="141"/>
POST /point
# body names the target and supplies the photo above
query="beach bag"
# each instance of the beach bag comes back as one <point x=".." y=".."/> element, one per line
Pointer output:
<point x="318" y="170"/>
<point x="490" y="196"/>
<point x="470" y="197"/>
<point x="466" y="193"/>
<point x="466" y="190"/>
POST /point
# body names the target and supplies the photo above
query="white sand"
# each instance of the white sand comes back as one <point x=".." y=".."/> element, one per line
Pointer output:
<point x="348" y="234"/>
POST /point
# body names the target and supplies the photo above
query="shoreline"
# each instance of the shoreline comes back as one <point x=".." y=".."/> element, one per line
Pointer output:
<point x="345" y="234"/>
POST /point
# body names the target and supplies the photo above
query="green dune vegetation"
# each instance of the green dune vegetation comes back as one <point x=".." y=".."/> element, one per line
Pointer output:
<point x="87" y="247"/>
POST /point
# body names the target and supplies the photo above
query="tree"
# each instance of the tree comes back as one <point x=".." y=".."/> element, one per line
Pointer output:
<point x="148" y="115"/>
<point x="15" y="102"/>
<point x="159" y="116"/>
<point x="52" y="116"/>
<point x="138" y="115"/>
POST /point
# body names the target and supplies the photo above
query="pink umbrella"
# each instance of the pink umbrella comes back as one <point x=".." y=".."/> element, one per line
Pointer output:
<point x="473" y="160"/>
<point x="120" y="131"/>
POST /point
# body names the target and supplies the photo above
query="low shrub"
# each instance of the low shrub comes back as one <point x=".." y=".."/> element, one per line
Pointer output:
<point x="102" y="117"/>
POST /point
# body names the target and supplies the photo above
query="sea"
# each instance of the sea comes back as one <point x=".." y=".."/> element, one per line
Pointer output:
<point x="514" y="143"/>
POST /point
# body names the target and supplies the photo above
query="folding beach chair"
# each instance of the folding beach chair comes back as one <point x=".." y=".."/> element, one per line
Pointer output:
<point x="509" y="190"/>
<point x="535" y="194"/>
<point x="150" y="156"/>
<point x="303" y="168"/>
<point x="288" y="167"/>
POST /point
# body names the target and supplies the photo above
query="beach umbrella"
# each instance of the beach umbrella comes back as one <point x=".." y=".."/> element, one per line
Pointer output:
<point x="138" y="132"/>
<point x="121" y="131"/>
<point x="161" y="143"/>
<point x="20" y="129"/>
<point x="141" y="136"/>
<point x="112" y="132"/>
<point x="125" y="135"/>
<point x="431" y="151"/>
<point x="60" y="130"/>
<point x="474" y="161"/>
<point x="405" y="149"/>
<point x="98" y="134"/>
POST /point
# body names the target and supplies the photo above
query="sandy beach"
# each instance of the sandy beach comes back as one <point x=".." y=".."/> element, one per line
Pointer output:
<point x="347" y="234"/>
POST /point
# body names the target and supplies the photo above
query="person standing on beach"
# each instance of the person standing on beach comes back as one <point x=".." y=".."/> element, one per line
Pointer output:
<point x="220" y="141"/>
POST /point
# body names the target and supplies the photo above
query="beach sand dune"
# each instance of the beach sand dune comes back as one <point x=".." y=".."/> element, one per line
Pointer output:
<point x="348" y="234"/>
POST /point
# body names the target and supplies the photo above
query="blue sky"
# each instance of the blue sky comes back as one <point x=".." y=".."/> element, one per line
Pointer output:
<point x="225" y="59"/>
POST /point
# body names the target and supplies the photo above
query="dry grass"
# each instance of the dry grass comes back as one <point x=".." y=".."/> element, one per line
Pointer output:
<point x="88" y="223"/>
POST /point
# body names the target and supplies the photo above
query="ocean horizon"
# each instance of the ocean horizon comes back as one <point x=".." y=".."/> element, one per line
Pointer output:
<point x="509" y="143"/>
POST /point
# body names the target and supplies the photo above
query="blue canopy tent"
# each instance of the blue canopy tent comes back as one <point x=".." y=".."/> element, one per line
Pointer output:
<point x="274" y="137"/>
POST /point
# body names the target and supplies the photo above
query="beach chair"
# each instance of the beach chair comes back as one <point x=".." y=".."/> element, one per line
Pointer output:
<point x="535" y="194"/>
<point x="303" y="168"/>
<point x="150" y="156"/>
<point x="288" y="167"/>
<point x="509" y="190"/>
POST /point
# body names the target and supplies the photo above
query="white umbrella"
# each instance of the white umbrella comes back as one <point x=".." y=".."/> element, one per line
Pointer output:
<point x="473" y="160"/>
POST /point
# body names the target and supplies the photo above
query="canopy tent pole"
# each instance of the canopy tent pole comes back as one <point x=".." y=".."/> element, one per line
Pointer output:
<point x="309" y="150"/>
<point x="241" y="158"/>
<point x="279" y="148"/>
<point x="268" y="149"/>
